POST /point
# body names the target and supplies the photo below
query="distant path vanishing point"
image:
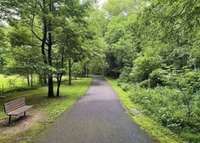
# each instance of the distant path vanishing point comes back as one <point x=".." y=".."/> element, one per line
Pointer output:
<point x="97" y="117"/>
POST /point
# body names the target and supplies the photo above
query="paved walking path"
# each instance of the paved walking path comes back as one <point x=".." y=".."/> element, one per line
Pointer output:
<point x="96" y="118"/>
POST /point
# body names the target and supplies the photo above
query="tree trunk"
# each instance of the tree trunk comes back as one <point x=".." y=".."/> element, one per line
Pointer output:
<point x="49" y="51"/>
<point x="50" y="86"/>
<point x="31" y="80"/>
<point x="85" y="70"/>
<point x="44" y="82"/>
<point x="58" y="87"/>
<point x="59" y="80"/>
<point x="50" y="75"/>
<point x="59" y="75"/>
<point x="28" y="80"/>
<point x="47" y="8"/>
<point x="44" y="39"/>
<point x="42" y="79"/>
<point x="70" y="71"/>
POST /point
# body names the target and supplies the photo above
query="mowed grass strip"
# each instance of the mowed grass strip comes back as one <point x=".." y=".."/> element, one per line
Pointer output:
<point x="158" y="132"/>
<point x="51" y="107"/>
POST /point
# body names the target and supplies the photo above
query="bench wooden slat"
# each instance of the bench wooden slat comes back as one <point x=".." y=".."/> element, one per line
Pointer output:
<point x="13" y="105"/>
<point x="20" y="110"/>
<point x="16" y="107"/>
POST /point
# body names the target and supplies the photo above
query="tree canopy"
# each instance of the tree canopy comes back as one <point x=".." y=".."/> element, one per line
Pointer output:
<point x="150" y="46"/>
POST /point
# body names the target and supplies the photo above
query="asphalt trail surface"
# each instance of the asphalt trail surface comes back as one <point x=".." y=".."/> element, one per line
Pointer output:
<point x="97" y="117"/>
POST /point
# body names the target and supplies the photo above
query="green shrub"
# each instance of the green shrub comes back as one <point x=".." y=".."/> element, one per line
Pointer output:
<point x="158" y="77"/>
<point x="143" y="66"/>
<point x="145" y="83"/>
<point x="166" y="105"/>
<point x="124" y="76"/>
<point x="189" y="80"/>
<point x="125" y="86"/>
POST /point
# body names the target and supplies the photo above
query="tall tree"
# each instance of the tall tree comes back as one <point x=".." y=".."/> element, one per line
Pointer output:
<point x="42" y="18"/>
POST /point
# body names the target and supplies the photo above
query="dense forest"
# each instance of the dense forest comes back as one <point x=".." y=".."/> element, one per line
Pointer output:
<point x="150" y="46"/>
<point x="153" y="48"/>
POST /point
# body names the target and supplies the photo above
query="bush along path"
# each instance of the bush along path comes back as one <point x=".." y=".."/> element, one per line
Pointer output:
<point x="97" y="118"/>
<point x="139" y="116"/>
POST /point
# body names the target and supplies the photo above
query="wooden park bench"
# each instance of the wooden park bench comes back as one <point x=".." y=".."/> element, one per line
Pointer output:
<point x="16" y="107"/>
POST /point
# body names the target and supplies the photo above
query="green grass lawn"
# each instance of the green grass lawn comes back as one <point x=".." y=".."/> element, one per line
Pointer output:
<point x="163" y="135"/>
<point x="51" y="107"/>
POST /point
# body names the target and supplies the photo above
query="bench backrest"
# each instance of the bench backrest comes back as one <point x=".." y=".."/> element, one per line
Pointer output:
<point x="14" y="104"/>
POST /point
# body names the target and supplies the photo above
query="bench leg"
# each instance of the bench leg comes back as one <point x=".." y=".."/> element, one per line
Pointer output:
<point x="24" y="114"/>
<point x="9" y="122"/>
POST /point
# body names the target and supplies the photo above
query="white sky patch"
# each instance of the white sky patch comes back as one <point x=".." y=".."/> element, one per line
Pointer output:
<point x="100" y="3"/>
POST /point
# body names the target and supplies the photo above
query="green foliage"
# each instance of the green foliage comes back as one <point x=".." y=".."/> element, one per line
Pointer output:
<point x="20" y="36"/>
<point x="152" y="127"/>
<point x="151" y="46"/>
<point x="118" y="7"/>
<point x="158" y="77"/>
<point x="169" y="107"/>
<point x="44" y="36"/>
<point x="120" y="52"/>
<point x="189" y="81"/>
<point x="3" y="48"/>
<point x="143" y="67"/>
<point x="156" y="56"/>
<point x="77" y="70"/>
<point x="12" y="83"/>
<point x="124" y="76"/>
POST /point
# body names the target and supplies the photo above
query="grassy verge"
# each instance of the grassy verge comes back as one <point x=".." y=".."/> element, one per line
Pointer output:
<point x="52" y="108"/>
<point x="163" y="135"/>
